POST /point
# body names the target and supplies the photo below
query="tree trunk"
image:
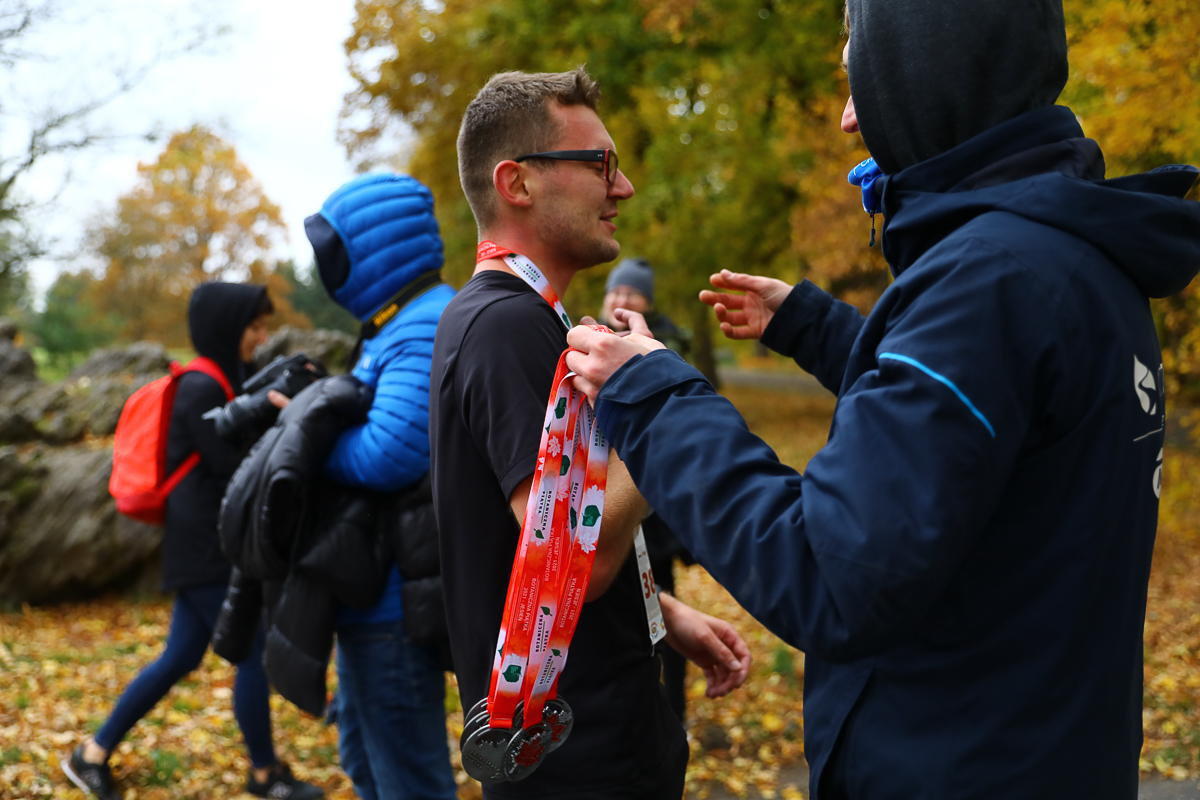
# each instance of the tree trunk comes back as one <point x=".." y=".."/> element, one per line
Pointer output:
<point x="702" y="346"/>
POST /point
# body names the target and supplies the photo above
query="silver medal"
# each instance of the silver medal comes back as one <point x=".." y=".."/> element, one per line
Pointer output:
<point x="483" y="754"/>
<point x="561" y="719"/>
<point x="526" y="751"/>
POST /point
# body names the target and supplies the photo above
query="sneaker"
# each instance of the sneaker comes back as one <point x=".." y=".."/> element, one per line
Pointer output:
<point x="95" y="779"/>
<point x="281" y="784"/>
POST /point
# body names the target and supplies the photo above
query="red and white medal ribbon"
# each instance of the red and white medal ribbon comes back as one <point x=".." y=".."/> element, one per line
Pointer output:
<point x="558" y="542"/>
<point x="554" y="556"/>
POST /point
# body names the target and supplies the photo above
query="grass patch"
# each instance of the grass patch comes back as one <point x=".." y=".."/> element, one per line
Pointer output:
<point x="166" y="768"/>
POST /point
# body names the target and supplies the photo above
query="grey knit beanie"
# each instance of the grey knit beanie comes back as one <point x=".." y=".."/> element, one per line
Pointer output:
<point x="635" y="273"/>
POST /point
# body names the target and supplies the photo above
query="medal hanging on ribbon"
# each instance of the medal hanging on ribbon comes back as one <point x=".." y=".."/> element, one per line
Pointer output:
<point x="523" y="720"/>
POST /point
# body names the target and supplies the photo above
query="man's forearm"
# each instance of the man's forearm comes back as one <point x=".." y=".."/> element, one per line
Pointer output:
<point x="624" y="508"/>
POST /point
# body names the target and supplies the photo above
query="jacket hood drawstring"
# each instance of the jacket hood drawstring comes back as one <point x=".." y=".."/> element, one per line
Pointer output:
<point x="864" y="176"/>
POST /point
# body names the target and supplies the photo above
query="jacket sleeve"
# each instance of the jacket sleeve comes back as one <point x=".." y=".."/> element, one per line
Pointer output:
<point x="843" y="560"/>
<point x="391" y="450"/>
<point x="817" y="331"/>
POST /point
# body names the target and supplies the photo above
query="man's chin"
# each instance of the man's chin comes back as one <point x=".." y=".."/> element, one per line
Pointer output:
<point x="600" y="253"/>
<point x="608" y="251"/>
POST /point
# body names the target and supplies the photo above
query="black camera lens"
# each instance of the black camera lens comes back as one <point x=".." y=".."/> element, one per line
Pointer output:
<point x="247" y="416"/>
<point x="243" y="416"/>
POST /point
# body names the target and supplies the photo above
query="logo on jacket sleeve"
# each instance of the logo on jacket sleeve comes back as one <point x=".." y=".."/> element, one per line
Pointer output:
<point x="1145" y="386"/>
<point x="1151" y="394"/>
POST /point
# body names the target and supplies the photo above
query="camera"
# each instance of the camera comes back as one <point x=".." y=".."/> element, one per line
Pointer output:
<point x="247" y="416"/>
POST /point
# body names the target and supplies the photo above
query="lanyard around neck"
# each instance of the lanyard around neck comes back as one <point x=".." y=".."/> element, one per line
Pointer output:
<point x="527" y="271"/>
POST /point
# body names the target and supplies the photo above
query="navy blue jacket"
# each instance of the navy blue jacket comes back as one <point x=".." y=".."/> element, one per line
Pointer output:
<point x="965" y="563"/>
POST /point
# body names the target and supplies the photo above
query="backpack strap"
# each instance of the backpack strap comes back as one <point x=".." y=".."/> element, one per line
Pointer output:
<point x="207" y="366"/>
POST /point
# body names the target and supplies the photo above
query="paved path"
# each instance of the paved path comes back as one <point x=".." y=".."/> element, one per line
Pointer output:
<point x="782" y="380"/>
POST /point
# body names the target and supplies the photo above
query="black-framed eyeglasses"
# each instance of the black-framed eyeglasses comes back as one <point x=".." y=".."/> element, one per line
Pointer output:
<point x="606" y="157"/>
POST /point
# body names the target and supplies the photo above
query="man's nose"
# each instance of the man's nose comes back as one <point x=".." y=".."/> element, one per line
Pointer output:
<point x="849" y="117"/>
<point x="622" y="187"/>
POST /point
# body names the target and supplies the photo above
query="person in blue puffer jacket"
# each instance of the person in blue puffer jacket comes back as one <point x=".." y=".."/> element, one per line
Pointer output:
<point x="379" y="252"/>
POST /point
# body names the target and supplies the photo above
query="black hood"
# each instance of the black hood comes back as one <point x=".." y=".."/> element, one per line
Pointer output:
<point x="927" y="75"/>
<point x="1040" y="167"/>
<point x="217" y="317"/>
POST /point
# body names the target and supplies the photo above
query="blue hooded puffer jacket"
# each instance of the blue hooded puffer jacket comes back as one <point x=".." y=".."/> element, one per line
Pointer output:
<point x="386" y="236"/>
<point x="965" y="563"/>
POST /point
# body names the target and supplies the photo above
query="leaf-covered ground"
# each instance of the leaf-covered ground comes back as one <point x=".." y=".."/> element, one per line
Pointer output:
<point x="62" y="667"/>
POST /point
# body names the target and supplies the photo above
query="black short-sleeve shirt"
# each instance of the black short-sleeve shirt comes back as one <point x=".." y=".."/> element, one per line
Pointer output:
<point x="497" y="347"/>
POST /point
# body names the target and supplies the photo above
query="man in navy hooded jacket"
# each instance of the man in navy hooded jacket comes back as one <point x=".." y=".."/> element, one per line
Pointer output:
<point x="965" y="563"/>
<point x="379" y="252"/>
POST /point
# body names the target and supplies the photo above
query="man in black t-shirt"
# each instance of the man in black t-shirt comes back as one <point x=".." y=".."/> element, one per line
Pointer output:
<point x="494" y="358"/>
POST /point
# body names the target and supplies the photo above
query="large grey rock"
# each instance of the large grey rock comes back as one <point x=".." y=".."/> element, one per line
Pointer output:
<point x="15" y="363"/>
<point x="18" y="381"/>
<point x="330" y="348"/>
<point x="60" y="534"/>
<point x="87" y="403"/>
<point x="142" y="358"/>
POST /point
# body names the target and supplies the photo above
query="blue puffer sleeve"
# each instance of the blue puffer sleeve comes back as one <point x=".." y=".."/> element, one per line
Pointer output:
<point x="391" y="450"/>
<point x="816" y="331"/>
<point x="843" y="560"/>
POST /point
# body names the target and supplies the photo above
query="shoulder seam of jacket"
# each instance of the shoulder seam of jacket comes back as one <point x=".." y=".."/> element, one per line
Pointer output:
<point x="944" y="380"/>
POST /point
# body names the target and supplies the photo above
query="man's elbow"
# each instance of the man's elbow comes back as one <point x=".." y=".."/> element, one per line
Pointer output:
<point x="604" y="572"/>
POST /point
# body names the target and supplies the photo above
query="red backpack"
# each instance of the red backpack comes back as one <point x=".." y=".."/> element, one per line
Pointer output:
<point x="139" y="481"/>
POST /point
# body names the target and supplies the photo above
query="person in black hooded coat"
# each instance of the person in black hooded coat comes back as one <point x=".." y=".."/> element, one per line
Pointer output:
<point x="965" y="563"/>
<point x="226" y="322"/>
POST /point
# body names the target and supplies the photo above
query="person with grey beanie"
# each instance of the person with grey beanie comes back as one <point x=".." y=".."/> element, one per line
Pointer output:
<point x="631" y="285"/>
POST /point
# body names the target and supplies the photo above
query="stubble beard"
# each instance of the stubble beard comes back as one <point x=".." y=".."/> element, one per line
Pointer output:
<point x="569" y="235"/>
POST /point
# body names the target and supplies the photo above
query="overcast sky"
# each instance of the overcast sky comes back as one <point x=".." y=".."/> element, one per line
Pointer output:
<point x="272" y="86"/>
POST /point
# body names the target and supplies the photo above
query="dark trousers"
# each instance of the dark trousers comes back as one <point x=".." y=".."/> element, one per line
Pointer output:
<point x="192" y="622"/>
<point x="664" y="783"/>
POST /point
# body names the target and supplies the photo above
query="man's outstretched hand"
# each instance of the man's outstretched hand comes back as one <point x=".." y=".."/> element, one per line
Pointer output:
<point x="745" y="316"/>
<point x="710" y="643"/>
<point x="602" y="354"/>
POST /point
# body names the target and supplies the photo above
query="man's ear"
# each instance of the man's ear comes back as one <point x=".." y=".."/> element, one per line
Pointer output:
<point x="511" y="183"/>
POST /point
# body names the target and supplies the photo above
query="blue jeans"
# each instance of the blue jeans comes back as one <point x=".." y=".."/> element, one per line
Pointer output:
<point x="192" y="621"/>
<point x="392" y="715"/>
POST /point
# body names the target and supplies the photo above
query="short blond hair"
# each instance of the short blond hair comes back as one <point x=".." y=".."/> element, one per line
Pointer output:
<point x="509" y="118"/>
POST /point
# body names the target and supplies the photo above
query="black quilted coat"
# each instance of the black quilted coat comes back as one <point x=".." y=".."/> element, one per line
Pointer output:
<point x="300" y="543"/>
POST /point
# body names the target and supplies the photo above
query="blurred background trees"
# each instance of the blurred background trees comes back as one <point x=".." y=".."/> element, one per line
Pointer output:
<point x="1135" y="82"/>
<point x="726" y="115"/>
<point x="55" y="125"/>
<point x="196" y="214"/>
